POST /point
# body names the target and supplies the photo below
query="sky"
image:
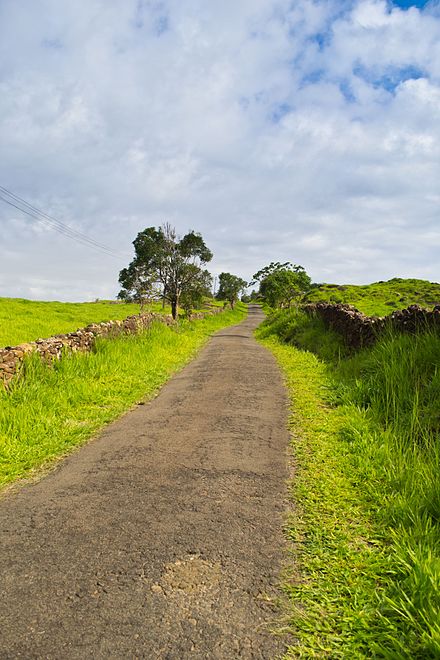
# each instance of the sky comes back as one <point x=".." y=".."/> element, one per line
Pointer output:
<point x="305" y="131"/>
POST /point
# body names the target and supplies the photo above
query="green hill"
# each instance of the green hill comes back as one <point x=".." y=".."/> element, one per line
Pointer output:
<point x="379" y="298"/>
<point x="26" y="320"/>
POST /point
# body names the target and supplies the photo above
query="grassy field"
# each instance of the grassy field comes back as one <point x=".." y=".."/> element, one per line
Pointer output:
<point x="365" y="529"/>
<point x="380" y="298"/>
<point x="51" y="409"/>
<point x="26" y="320"/>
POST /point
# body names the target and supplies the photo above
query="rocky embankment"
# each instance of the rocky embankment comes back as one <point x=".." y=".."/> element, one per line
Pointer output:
<point x="11" y="357"/>
<point x="359" y="330"/>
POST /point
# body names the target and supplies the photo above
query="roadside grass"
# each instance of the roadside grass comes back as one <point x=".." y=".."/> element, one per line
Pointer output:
<point x="52" y="408"/>
<point x="365" y="530"/>
<point x="380" y="298"/>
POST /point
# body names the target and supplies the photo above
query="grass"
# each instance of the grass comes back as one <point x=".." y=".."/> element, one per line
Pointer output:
<point x="380" y="298"/>
<point x="365" y="530"/>
<point x="26" y="320"/>
<point x="51" y="409"/>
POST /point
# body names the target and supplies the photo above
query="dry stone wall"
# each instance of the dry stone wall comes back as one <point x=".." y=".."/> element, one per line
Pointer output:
<point x="359" y="330"/>
<point x="11" y="357"/>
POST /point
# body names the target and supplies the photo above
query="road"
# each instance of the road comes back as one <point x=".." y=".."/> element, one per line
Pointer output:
<point x="162" y="537"/>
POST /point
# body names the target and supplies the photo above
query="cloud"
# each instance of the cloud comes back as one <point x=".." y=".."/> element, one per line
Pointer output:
<point x="304" y="131"/>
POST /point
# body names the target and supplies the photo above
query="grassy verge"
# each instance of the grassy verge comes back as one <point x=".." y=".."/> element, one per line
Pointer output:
<point x="366" y="526"/>
<point x="51" y="409"/>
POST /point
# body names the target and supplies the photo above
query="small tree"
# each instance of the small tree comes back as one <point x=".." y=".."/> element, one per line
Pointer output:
<point x="164" y="260"/>
<point x="230" y="287"/>
<point x="283" y="284"/>
<point x="192" y="297"/>
<point x="137" y="285"/>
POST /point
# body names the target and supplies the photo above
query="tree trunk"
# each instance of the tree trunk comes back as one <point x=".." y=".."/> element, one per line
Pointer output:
<point x="174" y="309"/>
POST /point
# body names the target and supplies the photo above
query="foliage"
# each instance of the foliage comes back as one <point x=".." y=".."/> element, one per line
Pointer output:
<point x="164" y="260"/>
<point x="281" y="284"/>
<point x="379" y="298"/>
<point x="304" y="331"/>
<point x="366" y="525"/>
<point x="230" y="288"/>
<point x="138" y="286"/>
<point x="273" y="267"/>
<point x="192" y="297"/>
<point x="51" y="409"/>
<point x="251" y="297"/>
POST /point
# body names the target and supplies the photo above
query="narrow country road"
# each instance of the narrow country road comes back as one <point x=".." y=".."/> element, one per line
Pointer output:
<point x="162" y="537"/>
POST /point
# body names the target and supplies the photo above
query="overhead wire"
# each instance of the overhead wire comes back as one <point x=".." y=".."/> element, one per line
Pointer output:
<point x="18" y="203"/>
<point x="22" y="205"/>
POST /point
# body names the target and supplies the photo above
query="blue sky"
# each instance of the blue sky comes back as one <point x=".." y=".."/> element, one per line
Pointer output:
<point x="305" y="132"/>
<point x="405" y="4"/>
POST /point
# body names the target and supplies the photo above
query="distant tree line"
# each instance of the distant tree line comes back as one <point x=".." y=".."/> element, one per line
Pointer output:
<point x="172" y="269"/>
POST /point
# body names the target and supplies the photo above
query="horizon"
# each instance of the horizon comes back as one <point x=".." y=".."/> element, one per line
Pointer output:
<point x="249" y="288"/>
<point x="305" y="132"/>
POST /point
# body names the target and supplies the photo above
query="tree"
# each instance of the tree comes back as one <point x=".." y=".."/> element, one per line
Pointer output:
<point x="192" y="297"/>
<point x="230" y="287"/>
<point x="137" y="286"/>
<point x="166" y="261"/>
<point x="282" y="284"/>
<point x="273" y="267"/>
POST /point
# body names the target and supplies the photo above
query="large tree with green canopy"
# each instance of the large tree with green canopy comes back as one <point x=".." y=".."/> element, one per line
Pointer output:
<point x="164" y="260"/>
<point x="282" y="284"/>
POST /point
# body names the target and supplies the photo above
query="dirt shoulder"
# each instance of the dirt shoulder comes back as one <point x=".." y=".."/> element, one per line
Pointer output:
<point x="161" y="538"/>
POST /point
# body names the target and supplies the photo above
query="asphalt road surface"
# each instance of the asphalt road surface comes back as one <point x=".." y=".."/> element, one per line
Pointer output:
<point x="161" y="538"/>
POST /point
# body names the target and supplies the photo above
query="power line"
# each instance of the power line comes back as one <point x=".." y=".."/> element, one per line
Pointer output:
<point x="25" y="207"/>
<point x="68" y="234"/>
<point x="32" y="211"/>
<point x="78" y="239"/>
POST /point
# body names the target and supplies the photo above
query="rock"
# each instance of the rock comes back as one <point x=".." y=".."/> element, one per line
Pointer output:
<point x="359" y="330"/>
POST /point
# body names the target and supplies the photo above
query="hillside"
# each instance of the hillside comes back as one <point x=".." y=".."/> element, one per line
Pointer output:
<point x="26" y="320"/>
<point x="380" y="298"/>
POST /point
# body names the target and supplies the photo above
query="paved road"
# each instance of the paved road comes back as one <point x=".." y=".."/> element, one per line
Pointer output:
<point x="162" y="537"/>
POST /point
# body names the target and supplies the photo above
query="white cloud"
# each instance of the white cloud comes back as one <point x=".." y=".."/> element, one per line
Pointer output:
<point x="304" y="131"/>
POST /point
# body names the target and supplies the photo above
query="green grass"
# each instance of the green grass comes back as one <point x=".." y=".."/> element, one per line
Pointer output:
<point x="51" y="409"/>
<point x="365" y="529"/>
<point x="380" y="298"/>
<point x="26" y="320"/>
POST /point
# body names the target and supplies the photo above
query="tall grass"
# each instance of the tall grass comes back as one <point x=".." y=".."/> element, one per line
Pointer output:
<point x="380" y="412"/>
<point x="50" y="409"/>
<point x="399" y="381"/>
<point x="397" y="385"/>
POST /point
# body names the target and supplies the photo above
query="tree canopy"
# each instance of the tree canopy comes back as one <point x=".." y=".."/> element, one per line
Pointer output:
<point x="230" y="287"/>
<point x="166" y="263"/>
<point x="282" y="284"/>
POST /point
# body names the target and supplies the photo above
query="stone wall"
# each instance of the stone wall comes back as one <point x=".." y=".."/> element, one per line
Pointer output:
<point x="11" y="357"/>
<point x="359" y="330"/>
